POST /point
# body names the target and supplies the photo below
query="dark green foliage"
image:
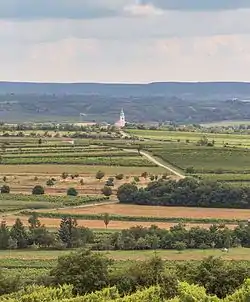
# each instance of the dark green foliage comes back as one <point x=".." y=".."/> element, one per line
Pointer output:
<point x="107" y="191"/>
<point x="69" y="233"/>
<point x="218" y="276"/>
<point x="72" y="192"/>
<point x="38" y="190"/>
<point x="5" y="189"/>
<point x="4" y="236"/>
<point x="126" y="193"/>
<point x="187" y="192"/>
<point x="87" y="272"/>
<point x="19" y="234"/>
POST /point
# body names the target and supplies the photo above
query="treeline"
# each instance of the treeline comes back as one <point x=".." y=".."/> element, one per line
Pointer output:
<point x="188" y="192"/>
<point x="86" y="272"/>
<point x="70" y="235"/>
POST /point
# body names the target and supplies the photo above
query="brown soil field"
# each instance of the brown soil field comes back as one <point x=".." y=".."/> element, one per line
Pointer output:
<point x="154" y="211"/>
<point x="59" y="169"/>
<point x="98" y="224"/>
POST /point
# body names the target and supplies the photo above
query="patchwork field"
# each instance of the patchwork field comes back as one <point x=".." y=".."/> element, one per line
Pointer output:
<point x="150" y="211"/>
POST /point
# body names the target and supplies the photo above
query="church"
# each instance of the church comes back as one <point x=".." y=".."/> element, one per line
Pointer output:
<point x="122" y="122"/>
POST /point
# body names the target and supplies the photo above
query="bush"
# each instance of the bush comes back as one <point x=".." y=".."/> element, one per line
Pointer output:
<point x="100" y="175"/>
<point x="5" y="189"/>
<point x="65" y="175"/>
<point x="50" y="183"/>
<point x="72" y="192"/>
<point x="107" y="191"/>
<point x="119" y="176"/>
<point x="38" y="190"/>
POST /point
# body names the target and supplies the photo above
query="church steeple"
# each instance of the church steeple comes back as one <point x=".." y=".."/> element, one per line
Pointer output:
<point x="122" y="118"/>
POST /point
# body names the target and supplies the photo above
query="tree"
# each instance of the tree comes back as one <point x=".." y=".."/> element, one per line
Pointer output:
<point x="5" y="189"/>
<point x="100" y="175"/>
<point x="126" y="192"/>
<point x="39" y="235"/>
<point x="69" y="233"/>
<point x="4" y="235"/>
<point x="107" y="191"/>
<point x="4" y="179"/>
<point x="50" y="182"/>
<point x="64" y="175"/>
<point x="144" y="175"/>
<point x="72" y="192"/>
<point x="106" y="219"/>
<point x="19" y="234"/>
<point x="39" y="141"/>
<point x="86" y="271"/>
<point x="38" y="190"/>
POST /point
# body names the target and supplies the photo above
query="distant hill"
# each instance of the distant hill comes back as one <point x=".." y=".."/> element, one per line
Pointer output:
<point x="177" y="102"/>
<point x="189" y="90"/>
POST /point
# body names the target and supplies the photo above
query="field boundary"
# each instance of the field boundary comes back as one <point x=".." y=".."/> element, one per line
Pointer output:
<point x="114" y="217"/>
<point x="158" y="162"/>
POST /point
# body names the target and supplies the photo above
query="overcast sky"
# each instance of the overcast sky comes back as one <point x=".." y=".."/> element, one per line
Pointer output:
<point x="124" y="40"/>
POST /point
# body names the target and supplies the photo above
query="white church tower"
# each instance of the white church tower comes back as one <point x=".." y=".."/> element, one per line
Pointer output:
<point x="122" y="119"/>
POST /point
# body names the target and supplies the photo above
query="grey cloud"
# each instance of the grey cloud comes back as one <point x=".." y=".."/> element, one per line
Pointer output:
<point x="68" y="9"/>
<point x="202" y="5"/>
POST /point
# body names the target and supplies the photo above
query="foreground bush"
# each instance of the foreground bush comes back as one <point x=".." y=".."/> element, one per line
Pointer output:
<point x="38" y="190"/>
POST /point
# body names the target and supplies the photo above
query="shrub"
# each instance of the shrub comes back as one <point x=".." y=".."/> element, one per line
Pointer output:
<point x="144" y="175"/>
<point x="4" y="178"/>
<point x="136" y="179"/>
<point x="50" y="183"/>
<point x="107" y="191"/>
<point x="65" y="175"/>
<point x="190" y="170"/>
<point x="100" y="175"/>
<point x="72" y="192"/>
<point x="119" y="176"/>
<point x="5" y="189"/>
<point x="38" y="190"/>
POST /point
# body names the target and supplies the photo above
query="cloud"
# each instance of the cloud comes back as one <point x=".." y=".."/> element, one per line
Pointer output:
<point x="67" y="9"/>
<point x="199" y="5"/>
<point x="142" y="10"/>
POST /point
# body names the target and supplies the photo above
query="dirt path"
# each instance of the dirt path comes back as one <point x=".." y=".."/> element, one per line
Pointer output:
<point x="158" y="162"/>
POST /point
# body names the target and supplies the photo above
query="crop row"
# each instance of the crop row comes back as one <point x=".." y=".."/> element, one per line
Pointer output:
<point x="138" y="218"/>
<point x="225" y="177"/>
<point x="71" y="154"/>
<point x="135" y="161"/>
<point x="208" y="160"/>
<point x="24" y="263"/>
<point x="55" y="149"/>
<point x="66" y="200"/>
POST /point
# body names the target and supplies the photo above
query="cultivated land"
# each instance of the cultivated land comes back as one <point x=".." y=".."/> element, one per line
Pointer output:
<point x="45" y="258"/>
<point x="151" y="211"/>
<point x="26" y="163"/>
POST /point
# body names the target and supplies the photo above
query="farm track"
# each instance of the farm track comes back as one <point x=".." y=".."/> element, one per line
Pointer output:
<point x="159" y="163"/>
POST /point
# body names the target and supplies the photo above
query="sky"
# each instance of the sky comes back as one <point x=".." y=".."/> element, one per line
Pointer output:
<point x="124" y="40"/>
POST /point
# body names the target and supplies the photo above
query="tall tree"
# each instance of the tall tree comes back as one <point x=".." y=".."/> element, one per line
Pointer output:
<point x="4" y="235"/>
<point x="19" y="234"/>
<point x="68" y="232"/>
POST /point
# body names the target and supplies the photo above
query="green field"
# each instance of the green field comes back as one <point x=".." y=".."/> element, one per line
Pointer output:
<point x="192" y="137"/>
<point x="43" y="259"/>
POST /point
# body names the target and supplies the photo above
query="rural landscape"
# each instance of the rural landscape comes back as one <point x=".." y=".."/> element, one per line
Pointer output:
<point x="139" y="194"/>
<point x="125" y="151"/>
